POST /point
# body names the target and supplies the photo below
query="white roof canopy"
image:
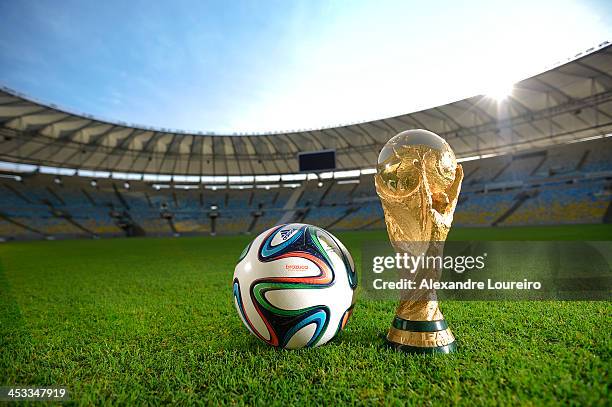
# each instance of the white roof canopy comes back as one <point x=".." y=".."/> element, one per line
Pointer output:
<point x="571" y="101"/>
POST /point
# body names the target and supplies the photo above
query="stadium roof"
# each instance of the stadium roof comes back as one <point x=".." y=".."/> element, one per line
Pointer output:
<point x="569" y="102"/>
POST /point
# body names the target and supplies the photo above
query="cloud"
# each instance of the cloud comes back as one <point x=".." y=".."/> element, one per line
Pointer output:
<point x="263" y="66"/>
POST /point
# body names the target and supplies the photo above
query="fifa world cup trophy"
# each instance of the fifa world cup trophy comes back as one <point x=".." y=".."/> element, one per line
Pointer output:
<point x="418" y="182"/>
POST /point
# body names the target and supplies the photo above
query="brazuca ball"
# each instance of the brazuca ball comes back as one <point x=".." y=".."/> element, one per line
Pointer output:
<point x="294" y="286"/>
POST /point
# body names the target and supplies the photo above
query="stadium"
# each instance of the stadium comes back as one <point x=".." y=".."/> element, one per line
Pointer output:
<point x="540" y="157"/>
<point x="119" y="242"/>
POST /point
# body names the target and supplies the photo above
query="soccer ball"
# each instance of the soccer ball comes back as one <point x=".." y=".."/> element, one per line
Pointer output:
<point x="294" y="286"/>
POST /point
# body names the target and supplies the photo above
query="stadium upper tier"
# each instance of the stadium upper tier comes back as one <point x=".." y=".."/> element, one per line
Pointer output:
<point x="570" y="101"/>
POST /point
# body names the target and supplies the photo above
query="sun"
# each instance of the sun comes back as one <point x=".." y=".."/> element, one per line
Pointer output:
<point x="500" y="91"/>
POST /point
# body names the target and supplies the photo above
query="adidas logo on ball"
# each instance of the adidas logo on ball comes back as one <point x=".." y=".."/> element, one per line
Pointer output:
<point x="286" y="233"/>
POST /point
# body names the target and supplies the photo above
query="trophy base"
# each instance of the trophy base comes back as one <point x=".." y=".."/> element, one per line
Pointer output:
<point x="421" y="337"/>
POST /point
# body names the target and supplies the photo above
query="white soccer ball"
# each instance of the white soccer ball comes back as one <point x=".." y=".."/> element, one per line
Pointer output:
<point x="294" y="286"/>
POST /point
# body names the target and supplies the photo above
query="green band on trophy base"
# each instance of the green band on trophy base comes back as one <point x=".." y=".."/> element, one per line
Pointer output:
<point x="419" y="326"/>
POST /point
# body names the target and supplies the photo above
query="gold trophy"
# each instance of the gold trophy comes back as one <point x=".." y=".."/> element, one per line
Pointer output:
<point x="418" y="182"/>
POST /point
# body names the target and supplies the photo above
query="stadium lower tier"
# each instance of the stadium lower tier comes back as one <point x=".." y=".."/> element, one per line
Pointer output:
<point x="37" y="212"/>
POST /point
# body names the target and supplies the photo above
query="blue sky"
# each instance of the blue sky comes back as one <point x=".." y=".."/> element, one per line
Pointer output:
<point x="263" y="65"/>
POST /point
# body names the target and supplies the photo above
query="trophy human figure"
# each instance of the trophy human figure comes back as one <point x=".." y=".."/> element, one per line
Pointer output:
<point x="418" y="182"/>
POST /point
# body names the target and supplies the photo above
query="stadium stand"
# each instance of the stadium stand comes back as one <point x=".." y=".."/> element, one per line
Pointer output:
<point x="525" y="189"/>
<point x="586" y="203"/>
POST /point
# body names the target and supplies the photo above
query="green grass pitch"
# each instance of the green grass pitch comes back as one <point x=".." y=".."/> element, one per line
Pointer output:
<point x="152" y="321"/>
